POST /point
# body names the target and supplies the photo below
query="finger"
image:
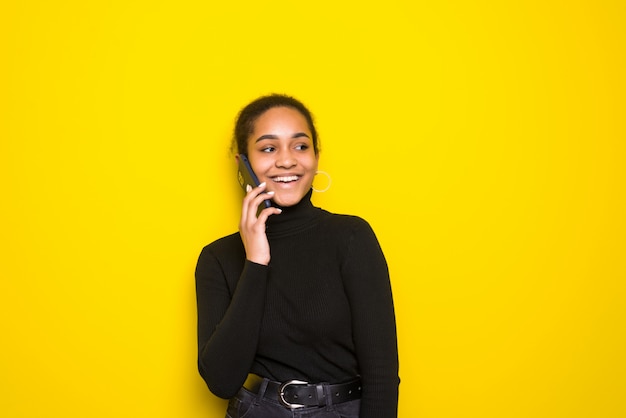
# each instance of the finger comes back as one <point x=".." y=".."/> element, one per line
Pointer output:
<point x="262" y="197"/>
<point x="267" y="212"/>
<point x="252" y="218"/>
<point x="252" y="193"/>
<point x="254" y="199"/>
<point x="248" y="209"/>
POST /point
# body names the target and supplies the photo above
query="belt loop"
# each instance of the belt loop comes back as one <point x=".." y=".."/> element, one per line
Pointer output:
<point x="320" y="393"/>
<point x="261" y="391"/>
<point x="328" y="396"/>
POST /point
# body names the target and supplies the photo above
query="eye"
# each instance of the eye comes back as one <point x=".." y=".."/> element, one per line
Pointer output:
<point x="268" y="149"/>
<point x="302" y="147"/>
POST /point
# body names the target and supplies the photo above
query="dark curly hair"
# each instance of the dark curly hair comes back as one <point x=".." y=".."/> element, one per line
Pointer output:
<point x="244" y="126"/>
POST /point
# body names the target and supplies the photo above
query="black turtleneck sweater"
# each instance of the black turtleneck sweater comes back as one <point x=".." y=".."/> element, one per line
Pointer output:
<point x="322" y="311"/>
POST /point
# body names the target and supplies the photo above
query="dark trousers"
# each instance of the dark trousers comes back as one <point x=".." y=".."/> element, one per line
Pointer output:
<point x="254" y="405"/>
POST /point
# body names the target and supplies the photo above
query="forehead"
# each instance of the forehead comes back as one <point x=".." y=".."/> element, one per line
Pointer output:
<point x="281" y="118"/>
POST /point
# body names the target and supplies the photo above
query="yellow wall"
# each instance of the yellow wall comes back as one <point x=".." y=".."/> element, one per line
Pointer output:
<point x="484" y="141"/>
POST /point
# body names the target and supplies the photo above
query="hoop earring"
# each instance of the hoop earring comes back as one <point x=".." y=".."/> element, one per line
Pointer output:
<point x="329" y="181"/>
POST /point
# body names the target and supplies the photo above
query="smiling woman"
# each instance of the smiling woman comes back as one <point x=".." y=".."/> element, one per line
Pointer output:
<point x="282" y="155"/>
<point x="295" y="312"/>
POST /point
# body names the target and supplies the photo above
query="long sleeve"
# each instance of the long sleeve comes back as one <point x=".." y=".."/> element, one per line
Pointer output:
<point x="366" y="278"/>
<point x="230" y="311"/>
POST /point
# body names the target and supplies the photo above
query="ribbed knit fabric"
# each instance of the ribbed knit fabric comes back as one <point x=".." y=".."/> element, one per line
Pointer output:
<point x="322" y="311"/>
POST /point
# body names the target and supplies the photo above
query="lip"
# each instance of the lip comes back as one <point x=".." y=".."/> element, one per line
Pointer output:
<point x="286" y="178"/>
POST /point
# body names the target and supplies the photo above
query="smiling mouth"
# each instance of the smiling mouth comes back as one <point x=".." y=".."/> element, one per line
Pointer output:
<point x="285" y="179"/>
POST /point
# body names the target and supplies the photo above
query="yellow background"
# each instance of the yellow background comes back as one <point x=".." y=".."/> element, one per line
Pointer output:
<point x="483" y="140"/>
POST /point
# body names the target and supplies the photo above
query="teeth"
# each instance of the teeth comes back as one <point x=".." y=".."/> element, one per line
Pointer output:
<point x="285" y="179"/>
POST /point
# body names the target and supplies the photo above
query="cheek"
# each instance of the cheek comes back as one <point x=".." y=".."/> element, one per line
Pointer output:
<point x="314" y="165"/>
<point x="259" y="165"/>
<point x="311" y="162"/>
<point x="311" y="171"/>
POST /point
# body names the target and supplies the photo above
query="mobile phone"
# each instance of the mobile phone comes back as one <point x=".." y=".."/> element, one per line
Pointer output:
<point x="246" y="177"/>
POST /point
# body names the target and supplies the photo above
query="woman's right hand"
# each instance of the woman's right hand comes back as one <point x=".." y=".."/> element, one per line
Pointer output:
<point x="252" y="227"/>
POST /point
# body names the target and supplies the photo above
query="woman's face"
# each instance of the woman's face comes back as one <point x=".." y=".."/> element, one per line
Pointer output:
<point x="281" y="153"/>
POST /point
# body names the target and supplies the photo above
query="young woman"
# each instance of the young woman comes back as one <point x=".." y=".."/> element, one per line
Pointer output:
<point x="295" y="311"/>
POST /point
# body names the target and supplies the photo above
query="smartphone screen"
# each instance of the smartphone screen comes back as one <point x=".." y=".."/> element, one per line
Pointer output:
<point x="247" y="177"/>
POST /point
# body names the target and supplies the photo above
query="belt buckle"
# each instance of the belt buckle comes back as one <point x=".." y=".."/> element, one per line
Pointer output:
<point x="281" y="394"/>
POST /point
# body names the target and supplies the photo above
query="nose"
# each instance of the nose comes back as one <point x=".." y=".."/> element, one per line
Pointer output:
<point x="285" y="159"/>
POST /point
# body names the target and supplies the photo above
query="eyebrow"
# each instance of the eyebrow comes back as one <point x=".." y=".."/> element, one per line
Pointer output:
<point x="270" y="136"/>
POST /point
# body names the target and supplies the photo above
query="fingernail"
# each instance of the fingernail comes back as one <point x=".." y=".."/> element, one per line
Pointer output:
<point x="270" y="192"/>
<point x="248" y="188"/>
<point x="262" y="184"/>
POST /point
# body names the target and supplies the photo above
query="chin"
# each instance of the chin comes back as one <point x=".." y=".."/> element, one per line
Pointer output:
<point x="287" y="201"/>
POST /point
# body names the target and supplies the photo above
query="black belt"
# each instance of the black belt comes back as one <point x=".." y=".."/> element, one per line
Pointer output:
<point x="298" y="394"/>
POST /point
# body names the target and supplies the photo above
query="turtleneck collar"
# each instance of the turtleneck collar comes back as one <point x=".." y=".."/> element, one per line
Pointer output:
<point x="294" y="218"/>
